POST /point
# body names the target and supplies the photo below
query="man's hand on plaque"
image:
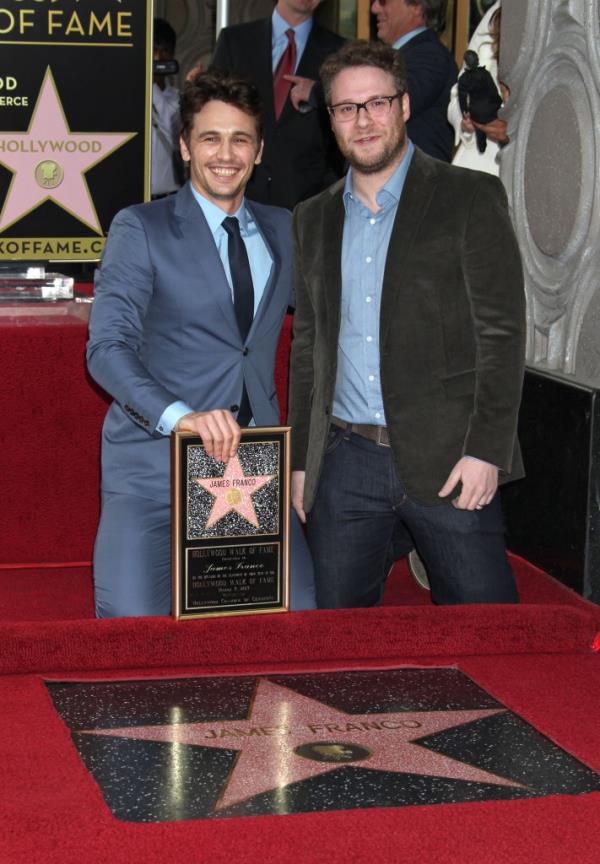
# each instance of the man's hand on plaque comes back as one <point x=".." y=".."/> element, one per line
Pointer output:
<point x="298" y="494"/>
<point x="218" y="429"/>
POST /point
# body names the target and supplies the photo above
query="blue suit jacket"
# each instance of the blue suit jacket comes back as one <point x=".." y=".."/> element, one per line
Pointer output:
<point x="163" y="328"/>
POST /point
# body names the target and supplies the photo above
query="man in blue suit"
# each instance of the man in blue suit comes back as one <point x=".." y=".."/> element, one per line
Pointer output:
<point x="188" y="308"/>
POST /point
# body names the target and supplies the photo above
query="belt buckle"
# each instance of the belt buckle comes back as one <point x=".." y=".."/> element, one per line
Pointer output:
<point x="378" y="441"/>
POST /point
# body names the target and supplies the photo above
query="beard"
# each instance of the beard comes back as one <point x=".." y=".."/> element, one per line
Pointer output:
<point x="379" y="161"/>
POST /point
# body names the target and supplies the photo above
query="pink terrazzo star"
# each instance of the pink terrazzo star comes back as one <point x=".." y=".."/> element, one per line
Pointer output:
<point x="48" y="150"/>
<point x="233" y="491"/>
<point x="288" y="737"/>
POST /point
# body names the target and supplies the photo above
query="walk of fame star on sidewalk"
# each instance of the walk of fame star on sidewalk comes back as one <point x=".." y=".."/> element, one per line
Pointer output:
<point x="288" y="737"/>
<point x="49" y="161"/>
<point x="233" y="491"/>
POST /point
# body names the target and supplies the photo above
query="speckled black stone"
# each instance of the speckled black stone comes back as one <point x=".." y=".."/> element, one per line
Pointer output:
<point x="145" y="781"/>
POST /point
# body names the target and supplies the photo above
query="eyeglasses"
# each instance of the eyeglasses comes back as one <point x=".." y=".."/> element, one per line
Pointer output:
<point x="378" y="106"/>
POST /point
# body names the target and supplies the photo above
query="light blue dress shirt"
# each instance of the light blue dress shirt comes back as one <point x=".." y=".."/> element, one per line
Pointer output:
<point x="407" y="37"/>
<point x="280" y="40"/>
<point x="365" y="244"/>
<point x="260" y="261"/>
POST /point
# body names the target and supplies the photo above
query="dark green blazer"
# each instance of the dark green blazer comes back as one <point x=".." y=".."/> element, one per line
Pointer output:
<point x="452" y="329"/>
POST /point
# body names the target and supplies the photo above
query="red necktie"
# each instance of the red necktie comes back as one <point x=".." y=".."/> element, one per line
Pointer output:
<point x="286" y="66"/>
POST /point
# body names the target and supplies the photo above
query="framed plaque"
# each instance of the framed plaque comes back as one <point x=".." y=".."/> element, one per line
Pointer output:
<point x="231" y="551"/>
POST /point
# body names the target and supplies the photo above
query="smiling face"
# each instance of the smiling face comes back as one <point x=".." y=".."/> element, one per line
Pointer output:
<point x="371" y="145"/>
<point x="395" y="18"/>
<point x="222" y="149"/>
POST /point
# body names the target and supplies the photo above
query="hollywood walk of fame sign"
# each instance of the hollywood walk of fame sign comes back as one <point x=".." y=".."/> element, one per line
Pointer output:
<point x="75" y="115"/>
<point x="219" y="747"/>
<point x="231" y="526"/>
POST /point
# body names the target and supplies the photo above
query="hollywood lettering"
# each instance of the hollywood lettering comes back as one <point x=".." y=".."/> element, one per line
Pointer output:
<point x="69" y="145"/>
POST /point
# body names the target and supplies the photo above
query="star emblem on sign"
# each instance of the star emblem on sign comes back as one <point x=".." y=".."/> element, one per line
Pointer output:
<point x="233" y="491"/>
<point x="49" y="161"/>
<point x="288" y="737"/>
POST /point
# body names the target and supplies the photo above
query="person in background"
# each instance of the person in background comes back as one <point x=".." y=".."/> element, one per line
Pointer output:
<point x="300" y="157"/>
<point x="412" y="27"/>
<point x="408" y="353"/>
<point x="486" y="43"/>
<point x="189" y="301"/>
<point x="166" y="161"/>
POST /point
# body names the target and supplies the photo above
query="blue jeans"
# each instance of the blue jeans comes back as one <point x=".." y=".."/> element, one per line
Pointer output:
<point x="361" y="504"/>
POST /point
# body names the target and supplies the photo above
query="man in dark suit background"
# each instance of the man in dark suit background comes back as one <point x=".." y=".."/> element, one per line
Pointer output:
<point x="411" y="26"/>
<point x="188" y="307"/>
<point x="409" y="340"/>
<point x="300" y="157"/>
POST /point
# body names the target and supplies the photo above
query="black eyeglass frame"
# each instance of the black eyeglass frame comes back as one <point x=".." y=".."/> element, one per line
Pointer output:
<point x="359" y="105"/>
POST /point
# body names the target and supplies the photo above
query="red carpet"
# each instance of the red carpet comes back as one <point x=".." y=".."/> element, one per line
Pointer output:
<point x="53" y="812"/>
<point x="536" y="658"/>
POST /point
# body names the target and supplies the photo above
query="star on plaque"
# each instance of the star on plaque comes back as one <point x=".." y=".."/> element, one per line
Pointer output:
<point x="233" y="491"/>
<point x="49" y="161"/>
<point x="288" y="737"/>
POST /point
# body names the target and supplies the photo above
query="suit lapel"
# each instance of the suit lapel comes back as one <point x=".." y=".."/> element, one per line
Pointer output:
<point x="264" y="70"/>
<point x="418" y="188"/>
<point x="200" y="247"/>
<point x="270" y="237"/>
<point x="332" y="236"/>
<point x="306" y="61"/>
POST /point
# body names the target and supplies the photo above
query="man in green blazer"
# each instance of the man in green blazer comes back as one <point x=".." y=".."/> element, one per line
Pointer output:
<point x="408" y="353"/>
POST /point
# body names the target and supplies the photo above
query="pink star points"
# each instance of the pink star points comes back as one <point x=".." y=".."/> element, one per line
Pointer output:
<point x="288" y="737"/>
<point x="233" y="491"/>
<point x="49" y="161"/>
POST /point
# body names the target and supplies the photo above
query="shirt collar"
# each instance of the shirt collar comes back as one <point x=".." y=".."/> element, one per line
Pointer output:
<point x="214" y="215"/>
<point x="392" y="188"/>
<point x="280" y="25"/>
<point x="407" y="37"/>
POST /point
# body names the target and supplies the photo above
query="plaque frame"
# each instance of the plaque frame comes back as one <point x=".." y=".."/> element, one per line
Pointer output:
<point x="194" y="549"/>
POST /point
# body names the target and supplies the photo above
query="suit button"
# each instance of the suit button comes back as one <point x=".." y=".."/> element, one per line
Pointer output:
<point x="234" y="408"/>
<point x="245" y="352"/>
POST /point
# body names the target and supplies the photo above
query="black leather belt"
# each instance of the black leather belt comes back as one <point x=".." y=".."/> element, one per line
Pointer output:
<point x="378" y="434"/>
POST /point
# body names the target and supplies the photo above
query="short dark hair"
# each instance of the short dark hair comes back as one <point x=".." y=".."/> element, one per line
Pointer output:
<point x="164" y="35"/>
<point x="362" y="53"/>
<point x="221" y="86"/>
<point x="434" y="12"/>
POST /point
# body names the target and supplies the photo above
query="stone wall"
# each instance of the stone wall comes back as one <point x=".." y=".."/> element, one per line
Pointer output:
<point x="550" y="59"/>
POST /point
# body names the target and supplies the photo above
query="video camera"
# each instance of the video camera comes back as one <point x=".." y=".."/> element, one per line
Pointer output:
<point x="165" y="67"/>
